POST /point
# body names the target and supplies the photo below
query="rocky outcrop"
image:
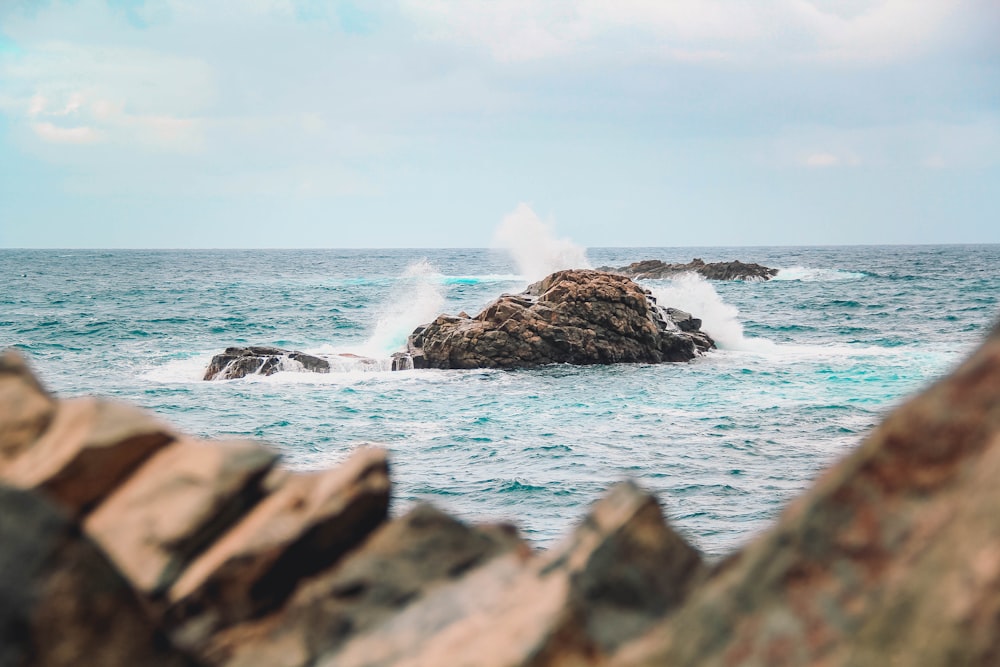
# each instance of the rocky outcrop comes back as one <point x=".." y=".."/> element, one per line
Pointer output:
<point x="654" y="269"/>
<point x="572" y="317"/>
<point x="893" y="557"/>
<point x="62" y="603"/>
<point x="237" y="362"/>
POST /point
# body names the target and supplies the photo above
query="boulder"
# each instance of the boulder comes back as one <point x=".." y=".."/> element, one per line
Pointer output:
<point x="891" y="558"/>
<point x="178" y="503"/>
<point x="621" y="571"/>
<point x="237" y="362"/>
<point x="654" y="269"/>
<point x="90" y="446"/>
<point x="26" y="409"/>
<point x="401" y="561"/>
<point x="573" y="317"/>
<point x="306" y="524"/>
<point x="62" y="603"/>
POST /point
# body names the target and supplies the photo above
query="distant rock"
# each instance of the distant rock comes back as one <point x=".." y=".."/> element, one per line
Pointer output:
<point x="572" y="317"/>
<point x="654" y="269"/>
<point x="237" y="362"/>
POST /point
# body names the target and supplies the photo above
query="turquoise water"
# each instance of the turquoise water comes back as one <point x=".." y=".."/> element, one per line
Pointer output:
<point x="809" y="363"/>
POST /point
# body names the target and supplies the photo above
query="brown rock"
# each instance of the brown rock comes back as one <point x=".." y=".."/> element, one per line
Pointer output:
<point x="175" y="505"/>
<point x="892" y="558"/>
<point x="572" y="317"/>
<point x="62" y="604"/>
<point x="26" y="409"/>
<point x="620" y="572"/>
<point x="402" y="559"/>
<point x="308" y="523"/>
<point x="654" y="269"/>
<point x="87" y="450"/>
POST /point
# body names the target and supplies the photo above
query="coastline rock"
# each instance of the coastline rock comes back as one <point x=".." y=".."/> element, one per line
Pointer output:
<point x="573" y="317"/>
<point x="88" y="449"/>
<point x="654" y="269"/>
<point x="402" y="560"/>
<point x="26" y="409"/>
<point x="178" y="503"/>
<point x="62" y="603"/>
<point x="892" y="557"/>
<point x="618" y="573"/>
<point x="237" y="362"/>
<point x="307" y="523"/>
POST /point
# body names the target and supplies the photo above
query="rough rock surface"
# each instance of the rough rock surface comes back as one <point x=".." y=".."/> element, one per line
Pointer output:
<point x="573" y="317"/>
<point x="653" y="269"/>
<point x="305" y="525"/>
<point x="399" y="563"/>
<point x="892" y="558"/>
<point x="237" y="362"/>
<point x="206" y="486"/>
<point x="618" y="573"/>
<point x="62" y="604"/>
<point x="88" y="449"/>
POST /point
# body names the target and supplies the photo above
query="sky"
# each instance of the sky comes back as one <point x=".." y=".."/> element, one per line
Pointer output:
<point x="423" y="123"/>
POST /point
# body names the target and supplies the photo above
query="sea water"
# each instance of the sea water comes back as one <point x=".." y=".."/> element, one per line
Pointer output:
<point x="808" y="363"/>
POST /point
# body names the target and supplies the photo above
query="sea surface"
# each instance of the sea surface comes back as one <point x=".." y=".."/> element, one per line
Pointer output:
<point x="808" y="363"/>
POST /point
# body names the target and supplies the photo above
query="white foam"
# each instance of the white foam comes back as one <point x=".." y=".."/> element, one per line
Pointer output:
<point x="180" y="371"/>
<point x="809" y="275"/>
<point x="415" y="299"/>
<point x="691" y="292"/>
<point x="533" y="246"/>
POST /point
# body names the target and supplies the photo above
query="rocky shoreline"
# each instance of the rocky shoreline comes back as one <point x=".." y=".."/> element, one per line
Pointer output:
<point x="123" y="542"/>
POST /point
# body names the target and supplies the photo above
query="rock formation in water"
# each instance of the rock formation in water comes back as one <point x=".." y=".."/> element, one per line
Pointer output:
<point x="654" y="269"/>
<point x="125" y="543"/>
<point x="238" y="362"/>
<point x="571" y="317"/>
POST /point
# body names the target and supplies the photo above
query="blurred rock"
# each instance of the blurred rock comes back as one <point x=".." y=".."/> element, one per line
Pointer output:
<point x="304" y="526"/>
<point x="400" y="562"/>
<point x="88" y="449"/>
<point x="26" y="409"/>
<point x="617" y="574"/>
<point x="62" y="604"/>
<point x="177" y="504"/>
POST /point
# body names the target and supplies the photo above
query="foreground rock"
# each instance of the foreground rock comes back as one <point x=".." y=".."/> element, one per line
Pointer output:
<point x="654" y="269"/>
<point x="572" y="317"/>
<point x="892" y="558"/>
<point x="62" y="604"/>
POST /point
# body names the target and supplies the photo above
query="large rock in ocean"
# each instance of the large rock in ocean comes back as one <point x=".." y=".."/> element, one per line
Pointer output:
<point x="572" y="317"/>
<point x="654" y="269"/>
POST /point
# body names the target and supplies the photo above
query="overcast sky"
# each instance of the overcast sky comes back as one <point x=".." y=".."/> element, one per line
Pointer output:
<point x="422" y="123"/>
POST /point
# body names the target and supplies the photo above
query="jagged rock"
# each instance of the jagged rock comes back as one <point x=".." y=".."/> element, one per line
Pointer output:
<point x="176" y="505"/>
<point x="305" y="525"/>
<point x="574" y="317"/>
<point x="237" y="362"/>
<point x="26" y="409"/>
<point x="892" y="558"/>
<point x="402" y="559"/>
<point x="88" y="449"/>
<point x="653" y="269"/>
<point x="619" y="572"/>
<point x="62" y="604"/>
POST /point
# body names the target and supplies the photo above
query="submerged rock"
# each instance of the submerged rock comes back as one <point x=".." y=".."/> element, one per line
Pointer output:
<point x="653" y="269"/>
<point x="573" y="317"/>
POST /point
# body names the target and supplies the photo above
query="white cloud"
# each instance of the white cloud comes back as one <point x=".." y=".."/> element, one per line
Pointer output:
<point x="858" y="31"/>
<point x="66" y="135"/>
<point x="822" y="160"/>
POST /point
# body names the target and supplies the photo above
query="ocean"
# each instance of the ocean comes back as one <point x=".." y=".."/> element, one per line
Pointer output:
<point x="807" y="364"/>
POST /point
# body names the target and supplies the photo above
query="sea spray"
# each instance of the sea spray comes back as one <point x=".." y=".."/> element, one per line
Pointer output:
<point x="416" y="299"/>
<point x="693" y="293"/>
<point x="533" y="246"/>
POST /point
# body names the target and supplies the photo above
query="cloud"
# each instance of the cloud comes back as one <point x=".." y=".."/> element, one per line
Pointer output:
<point x="857" y="31"/>
<point x="66" y="135"/>
<point x="822" y="160"/>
